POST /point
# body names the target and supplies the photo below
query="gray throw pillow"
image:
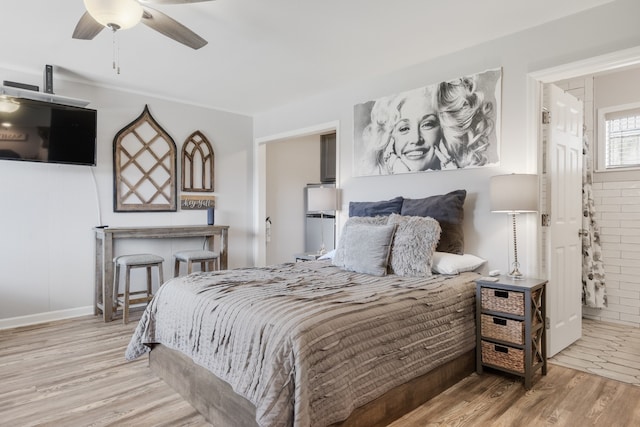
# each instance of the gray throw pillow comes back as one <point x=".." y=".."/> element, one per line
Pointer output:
<point x="366" y="248"/>
<point x="448" y="210"/>
<point x="414" y="244"/>
<point x="338" y="257"/>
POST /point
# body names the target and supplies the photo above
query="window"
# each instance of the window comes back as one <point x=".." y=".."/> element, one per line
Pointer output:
<point x="619" y="137"/>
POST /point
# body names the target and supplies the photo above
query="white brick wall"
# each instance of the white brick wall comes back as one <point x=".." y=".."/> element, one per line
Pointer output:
<point x="618" y="213"/>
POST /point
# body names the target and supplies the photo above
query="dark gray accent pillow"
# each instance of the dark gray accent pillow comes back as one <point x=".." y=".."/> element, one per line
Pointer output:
<point x="366" y="248"/>
<point x="382" y="208"/>
<point x="448" y="210"/>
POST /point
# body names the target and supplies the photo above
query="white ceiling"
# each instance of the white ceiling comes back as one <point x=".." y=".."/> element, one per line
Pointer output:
<point x="263" y="53"/>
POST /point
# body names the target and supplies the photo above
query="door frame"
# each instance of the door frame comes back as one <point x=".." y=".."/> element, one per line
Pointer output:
<point x="260" y="178"/>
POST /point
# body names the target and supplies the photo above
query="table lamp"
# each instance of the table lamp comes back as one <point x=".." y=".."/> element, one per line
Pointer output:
<point x="514" y="194"/>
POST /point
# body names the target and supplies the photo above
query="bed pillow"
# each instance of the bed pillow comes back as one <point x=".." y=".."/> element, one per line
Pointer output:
<point x="448" y="210"/>
<point x="338" y="256"/>
<point x="365" y="248"/>
<point x="382" y="208"/>
<point x="328" y="255"/>
<point x="446" y="263"/>
<point x="414" y="243"/>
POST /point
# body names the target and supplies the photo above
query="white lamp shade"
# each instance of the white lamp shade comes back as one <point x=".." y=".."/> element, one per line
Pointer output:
<point x="514" y="193"/>
<point x="123" y="13"/>
<point x="321" y="199"/>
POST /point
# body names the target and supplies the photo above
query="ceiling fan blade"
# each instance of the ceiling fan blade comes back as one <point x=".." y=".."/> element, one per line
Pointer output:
<point x="87" y="28"/>
<point x="171" y="28"/>
<point x="171" y="1"/>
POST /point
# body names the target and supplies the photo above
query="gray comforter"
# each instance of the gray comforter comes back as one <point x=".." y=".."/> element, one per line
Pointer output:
<point x="307" y="343"/>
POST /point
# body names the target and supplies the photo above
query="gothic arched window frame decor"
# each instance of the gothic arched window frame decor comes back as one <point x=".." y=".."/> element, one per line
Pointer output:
<point x="144" y="167"/>
<point x="197" y="147"/>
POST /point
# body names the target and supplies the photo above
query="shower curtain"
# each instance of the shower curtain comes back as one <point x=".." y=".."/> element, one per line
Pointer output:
<point x="593" y="283"/>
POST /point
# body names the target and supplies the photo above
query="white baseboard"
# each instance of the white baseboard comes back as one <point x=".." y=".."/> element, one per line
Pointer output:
<point x="32" y="319"/>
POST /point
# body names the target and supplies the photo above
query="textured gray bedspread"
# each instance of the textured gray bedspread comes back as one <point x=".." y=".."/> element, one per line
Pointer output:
<point x="307" y="343"/>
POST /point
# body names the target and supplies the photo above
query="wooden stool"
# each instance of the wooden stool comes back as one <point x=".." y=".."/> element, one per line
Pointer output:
<point x="205" y="258"/>
<point x="134" y="261"/>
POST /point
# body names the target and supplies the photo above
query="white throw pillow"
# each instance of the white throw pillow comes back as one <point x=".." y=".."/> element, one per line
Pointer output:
<point x="328" y="255"/>
<point x="446" y="263"/>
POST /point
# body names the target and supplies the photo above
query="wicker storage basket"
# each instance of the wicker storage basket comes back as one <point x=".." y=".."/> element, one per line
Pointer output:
<point x="502" y="329"/>
<point x="503" y="301"/>
<point x="506" y="301"/>
<point x="503" y="356"/>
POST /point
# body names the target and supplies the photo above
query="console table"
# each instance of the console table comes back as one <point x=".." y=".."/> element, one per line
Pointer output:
<point x="105" y="248"/>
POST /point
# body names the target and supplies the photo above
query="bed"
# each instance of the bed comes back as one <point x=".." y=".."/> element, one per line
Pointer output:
<point x="316" y="343"/>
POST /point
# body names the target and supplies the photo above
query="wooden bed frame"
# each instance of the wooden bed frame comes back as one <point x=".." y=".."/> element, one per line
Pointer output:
<point x="220" y="405"/>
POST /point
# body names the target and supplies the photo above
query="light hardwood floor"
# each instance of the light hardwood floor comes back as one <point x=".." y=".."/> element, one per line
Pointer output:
<point x="73" y="373"/>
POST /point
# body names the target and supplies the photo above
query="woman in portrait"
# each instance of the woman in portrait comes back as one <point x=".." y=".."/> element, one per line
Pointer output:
<point x="404" y="134"/>
<point x="466" y="121"/>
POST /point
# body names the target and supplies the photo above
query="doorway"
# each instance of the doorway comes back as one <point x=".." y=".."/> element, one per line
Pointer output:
<point x="261" y="180"/>
<point x="614" y="61"/>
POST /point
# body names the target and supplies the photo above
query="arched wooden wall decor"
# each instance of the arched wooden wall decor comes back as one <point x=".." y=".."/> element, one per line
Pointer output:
<point x="144" y="167"/>
<point x="197" y="163"/>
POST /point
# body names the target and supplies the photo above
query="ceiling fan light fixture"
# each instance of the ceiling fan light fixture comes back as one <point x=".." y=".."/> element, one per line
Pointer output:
<point x="8" y="105"/>
<point x="115" y="14"/>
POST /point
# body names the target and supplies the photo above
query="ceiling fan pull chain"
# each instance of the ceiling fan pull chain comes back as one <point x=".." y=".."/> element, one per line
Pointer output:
<point x="113" y="49"/>
<point x="116" y="52"/>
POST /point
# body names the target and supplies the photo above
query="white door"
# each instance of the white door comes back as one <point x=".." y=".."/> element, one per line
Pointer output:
<point x="564" y="172"/>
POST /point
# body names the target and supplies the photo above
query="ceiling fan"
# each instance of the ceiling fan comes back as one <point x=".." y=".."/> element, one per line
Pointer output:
<point x="122" y="14"/>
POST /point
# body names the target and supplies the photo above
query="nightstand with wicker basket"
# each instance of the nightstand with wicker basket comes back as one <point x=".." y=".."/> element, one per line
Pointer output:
<point x="511" y="327"/>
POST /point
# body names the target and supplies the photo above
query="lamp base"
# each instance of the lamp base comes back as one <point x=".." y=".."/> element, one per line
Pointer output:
<point x="322" y="250"/>
<point x="515" y="272"/>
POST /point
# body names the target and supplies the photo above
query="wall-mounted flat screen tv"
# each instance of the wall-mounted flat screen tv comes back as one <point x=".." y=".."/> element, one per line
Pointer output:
<point x="40" y="131"/>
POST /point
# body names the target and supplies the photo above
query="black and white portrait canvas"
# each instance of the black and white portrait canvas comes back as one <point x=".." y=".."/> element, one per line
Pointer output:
<point x="449" y="125"/>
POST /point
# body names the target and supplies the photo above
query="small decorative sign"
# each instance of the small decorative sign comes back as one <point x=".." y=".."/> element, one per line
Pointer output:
<point x="197" y="202"/>
<point x="7" y="135"/>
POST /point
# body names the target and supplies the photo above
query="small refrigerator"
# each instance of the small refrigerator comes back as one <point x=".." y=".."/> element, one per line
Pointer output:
<point x="318" y="226"/>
